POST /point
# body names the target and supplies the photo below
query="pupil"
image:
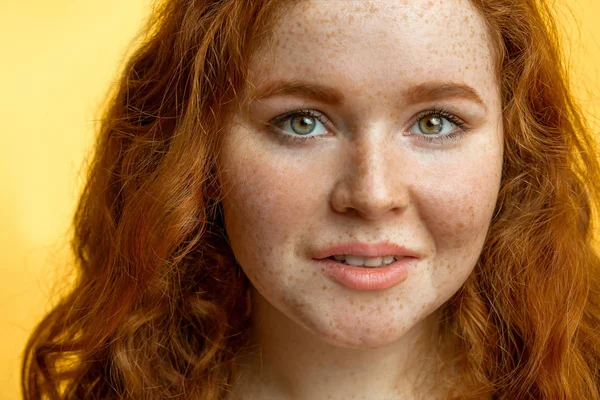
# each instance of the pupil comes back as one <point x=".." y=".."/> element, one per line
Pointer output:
<point x="303" y="125"/>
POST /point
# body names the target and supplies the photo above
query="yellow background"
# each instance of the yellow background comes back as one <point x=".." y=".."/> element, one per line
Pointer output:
<point x="58" y="58"/>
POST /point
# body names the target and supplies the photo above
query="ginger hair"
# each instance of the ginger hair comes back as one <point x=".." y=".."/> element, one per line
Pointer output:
<point x="159" y="308"/>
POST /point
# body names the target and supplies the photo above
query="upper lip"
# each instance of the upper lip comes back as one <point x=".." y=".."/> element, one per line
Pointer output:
<point x="364" y="250"/>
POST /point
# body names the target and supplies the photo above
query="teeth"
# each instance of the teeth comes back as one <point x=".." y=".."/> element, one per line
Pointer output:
<point x="371" y="262"/>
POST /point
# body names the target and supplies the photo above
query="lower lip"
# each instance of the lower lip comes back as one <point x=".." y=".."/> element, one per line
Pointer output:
<point x="364" y="278"/>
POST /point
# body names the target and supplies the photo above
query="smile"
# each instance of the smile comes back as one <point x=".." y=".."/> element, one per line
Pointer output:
<point x="364" y="278"/>
<point x="370" y="262"/>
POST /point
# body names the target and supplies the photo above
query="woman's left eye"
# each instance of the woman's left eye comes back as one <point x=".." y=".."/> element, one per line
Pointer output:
<point x="438" y="125"/>
<point x="300" y="125"/>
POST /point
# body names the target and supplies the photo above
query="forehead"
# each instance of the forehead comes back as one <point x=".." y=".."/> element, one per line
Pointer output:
<point x="370" y="44"/>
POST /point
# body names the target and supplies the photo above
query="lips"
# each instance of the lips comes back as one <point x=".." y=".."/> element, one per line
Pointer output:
<point x="366" y="278"/>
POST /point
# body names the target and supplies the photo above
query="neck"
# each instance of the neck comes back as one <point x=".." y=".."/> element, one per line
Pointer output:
<point x="287" y="361"/>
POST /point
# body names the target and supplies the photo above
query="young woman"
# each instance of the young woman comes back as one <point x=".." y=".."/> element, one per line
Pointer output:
<point x="335" y="200"/>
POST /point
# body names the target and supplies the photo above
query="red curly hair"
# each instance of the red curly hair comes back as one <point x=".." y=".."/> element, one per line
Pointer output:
<point x="159" y="308"/>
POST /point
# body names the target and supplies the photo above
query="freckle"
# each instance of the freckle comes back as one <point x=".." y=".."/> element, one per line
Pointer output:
<point x="290" y="278"/>
<point x="314" y="274"/>
<point x="324" y="287"/>
<point x="401" y="306"/>
<point x="351" y="301"/>
<point x="362" y="308"/>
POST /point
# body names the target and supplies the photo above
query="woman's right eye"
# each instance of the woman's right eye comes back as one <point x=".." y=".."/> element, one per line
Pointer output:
<point x="300" y="125"/>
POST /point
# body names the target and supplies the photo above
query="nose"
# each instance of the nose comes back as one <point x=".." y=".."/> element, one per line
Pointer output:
<point x="371" y="182"/>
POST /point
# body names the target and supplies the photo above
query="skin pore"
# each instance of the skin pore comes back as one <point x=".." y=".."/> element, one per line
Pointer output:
<point x="377" y="154"/>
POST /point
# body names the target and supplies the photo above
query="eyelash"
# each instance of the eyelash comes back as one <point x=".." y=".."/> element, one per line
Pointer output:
<point x="456" y="135"/>
<point x="272" y="125"/>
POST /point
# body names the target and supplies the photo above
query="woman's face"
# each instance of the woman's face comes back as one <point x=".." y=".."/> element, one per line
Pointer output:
<point x="367" y="123"/>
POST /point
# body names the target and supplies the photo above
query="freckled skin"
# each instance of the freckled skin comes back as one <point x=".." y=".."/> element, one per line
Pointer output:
<point x="365" y="181"/>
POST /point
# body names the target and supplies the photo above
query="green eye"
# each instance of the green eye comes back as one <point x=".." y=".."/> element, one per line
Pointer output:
<point x="300" y="125"/>
<point x="431" y="124"/>
<point x="438" y="125"/>
<point x="303" y="124"/>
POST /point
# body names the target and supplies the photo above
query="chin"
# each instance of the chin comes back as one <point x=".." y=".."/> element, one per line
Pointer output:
<point x="359" y="337"/>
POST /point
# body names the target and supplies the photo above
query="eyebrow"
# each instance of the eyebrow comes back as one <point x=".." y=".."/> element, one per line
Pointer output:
<point x="432" y="91"/>
<point x="307" y="90"/>
<point x="429" y="91"/>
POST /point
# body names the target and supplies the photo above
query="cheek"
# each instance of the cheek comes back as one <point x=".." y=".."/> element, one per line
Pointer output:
<point x="264" y="206"/>
<point x="457" y="209"/>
